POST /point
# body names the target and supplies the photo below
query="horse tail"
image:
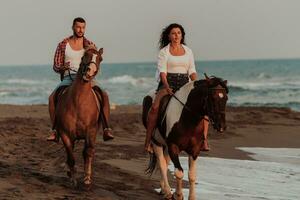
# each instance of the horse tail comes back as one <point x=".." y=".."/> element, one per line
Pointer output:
<point x="152" y="164"/>
<point x="147" y="103"/>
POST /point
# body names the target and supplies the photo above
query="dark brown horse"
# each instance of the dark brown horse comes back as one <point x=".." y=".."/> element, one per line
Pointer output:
<point x="181" y="126"/>
<point x="77" y="114"/>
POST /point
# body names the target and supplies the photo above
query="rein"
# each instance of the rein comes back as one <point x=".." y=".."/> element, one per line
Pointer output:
<point x="69" y="71"/>
<point x="188" y="108"/>
<point x="184" y="106"/>
<point x="82" y="71"/>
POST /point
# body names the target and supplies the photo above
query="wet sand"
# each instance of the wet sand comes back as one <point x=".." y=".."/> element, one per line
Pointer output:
<point x="31" y="168"/>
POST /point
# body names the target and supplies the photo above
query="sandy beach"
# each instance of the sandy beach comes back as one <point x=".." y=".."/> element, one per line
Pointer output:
<point x="31" y="168"/>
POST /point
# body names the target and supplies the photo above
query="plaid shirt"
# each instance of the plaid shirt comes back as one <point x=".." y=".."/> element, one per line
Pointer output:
<point x="59" y="57"/>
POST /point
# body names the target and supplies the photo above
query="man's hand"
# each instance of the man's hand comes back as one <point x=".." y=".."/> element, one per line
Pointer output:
<point x="66" y="66"/>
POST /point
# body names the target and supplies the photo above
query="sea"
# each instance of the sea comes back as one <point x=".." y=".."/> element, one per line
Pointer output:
<point x="273" y="83"/>
<point x="274" y="174"/>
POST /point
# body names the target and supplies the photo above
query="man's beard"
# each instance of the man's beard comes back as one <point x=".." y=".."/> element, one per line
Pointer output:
<point x="78" y="36"/>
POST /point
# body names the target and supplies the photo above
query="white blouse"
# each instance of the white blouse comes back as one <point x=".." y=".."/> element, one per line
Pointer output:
<point x="184" y="64"/>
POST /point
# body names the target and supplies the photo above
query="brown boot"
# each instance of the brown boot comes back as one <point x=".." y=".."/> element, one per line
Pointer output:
<point x="107" y="134"/>
<point x="204" y="145"/>
<point x="53" y="137"/>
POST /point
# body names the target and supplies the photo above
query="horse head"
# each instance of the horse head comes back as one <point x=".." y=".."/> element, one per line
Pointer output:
<point x="90" y="63"/>
<point x="217" y="99"/>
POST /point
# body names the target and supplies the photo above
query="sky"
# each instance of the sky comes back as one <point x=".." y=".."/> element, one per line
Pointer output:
<point x="129" y="30"/>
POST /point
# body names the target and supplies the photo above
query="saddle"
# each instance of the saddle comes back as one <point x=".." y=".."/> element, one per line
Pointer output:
<point x="164" y="102"/>
<point x="157" y="138"/>
<point x="61" y="90"/>
<point x="58" y="94"/>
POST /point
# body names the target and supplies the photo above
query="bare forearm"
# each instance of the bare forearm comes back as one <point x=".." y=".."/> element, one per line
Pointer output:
<point x="163" y="78"/>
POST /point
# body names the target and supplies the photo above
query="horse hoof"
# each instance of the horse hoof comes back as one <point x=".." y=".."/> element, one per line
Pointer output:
<point x="87" y="183"/>
<point x="161" y="193"/>
<point x="176" y="196"/>
<point x="168" y="196"/>
<point x="87" y="187"/>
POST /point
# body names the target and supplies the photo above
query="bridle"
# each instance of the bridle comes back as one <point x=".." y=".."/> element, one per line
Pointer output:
<point x="209" y="107"/>
<point x="212" y="113"/>
<point x="84" y="66"/>
<point x="83" y="70"/>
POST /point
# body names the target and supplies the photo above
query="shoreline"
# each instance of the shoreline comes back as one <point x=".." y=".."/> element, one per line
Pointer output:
<point x="33" y="168"/>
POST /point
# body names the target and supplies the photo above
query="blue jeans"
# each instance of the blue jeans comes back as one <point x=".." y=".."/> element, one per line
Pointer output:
<point x="69" y="80"/>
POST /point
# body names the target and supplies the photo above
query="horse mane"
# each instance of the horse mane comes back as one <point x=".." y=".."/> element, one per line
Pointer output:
<point x="212" y="82"/>
<point x="198" y="97"/>
<point x="194" y="95"/>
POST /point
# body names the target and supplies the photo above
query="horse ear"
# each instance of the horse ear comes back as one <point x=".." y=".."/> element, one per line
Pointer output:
<point x="206" y="77"/>
<point x="224" y="84"/>
<point x="101" y="51"/>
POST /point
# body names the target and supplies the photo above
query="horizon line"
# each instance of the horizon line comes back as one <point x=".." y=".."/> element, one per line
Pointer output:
<point x="151" y="62"/>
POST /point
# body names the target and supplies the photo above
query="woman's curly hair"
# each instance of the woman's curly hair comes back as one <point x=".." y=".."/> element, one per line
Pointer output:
<point x="164" y="37"/>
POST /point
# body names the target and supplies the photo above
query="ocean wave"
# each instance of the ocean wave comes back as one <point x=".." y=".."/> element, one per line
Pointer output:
<point x="127" y="79"/>
<point x="4" y="93"/>
<point x="25" y="81"/>
<point x="264" y="76"/>
<point x="258" y="85"/>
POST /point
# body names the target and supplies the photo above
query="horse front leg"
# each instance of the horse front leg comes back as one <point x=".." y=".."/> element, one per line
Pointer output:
<point x="69" y="145"/>
<point x="88" y="155"/>
<point x="174" y="152"/>
<point x="192" y="177"/>
<point x="164" y="183"/>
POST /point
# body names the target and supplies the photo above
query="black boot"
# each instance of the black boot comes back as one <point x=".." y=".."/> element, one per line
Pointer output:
<point x="53" y="137"/>
<point x="107" y="134"/>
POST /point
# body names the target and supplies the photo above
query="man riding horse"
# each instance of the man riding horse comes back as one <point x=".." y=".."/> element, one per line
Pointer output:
<point x="66" y="62"/>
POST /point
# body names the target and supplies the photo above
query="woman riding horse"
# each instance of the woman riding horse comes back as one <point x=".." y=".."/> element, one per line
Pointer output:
<point x="182" y="127"/>
<point x="176" y="66"/>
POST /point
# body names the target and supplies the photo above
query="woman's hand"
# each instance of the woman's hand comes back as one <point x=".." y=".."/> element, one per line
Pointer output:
<point x="194" y="76"/>
<point x="170" y="91"/>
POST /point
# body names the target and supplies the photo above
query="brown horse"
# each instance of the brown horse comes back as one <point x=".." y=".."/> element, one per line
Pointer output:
<point x="181" y="126"/>
<point x="77" y="114"/>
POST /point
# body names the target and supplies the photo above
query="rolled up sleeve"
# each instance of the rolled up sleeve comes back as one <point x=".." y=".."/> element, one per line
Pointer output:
<point x="192" y="67"/>
<point x="59" y="58"/>
<point x="162" y="61"/>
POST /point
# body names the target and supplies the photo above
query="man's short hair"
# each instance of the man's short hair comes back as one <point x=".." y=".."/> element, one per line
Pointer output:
<point x="78" y="19"/>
